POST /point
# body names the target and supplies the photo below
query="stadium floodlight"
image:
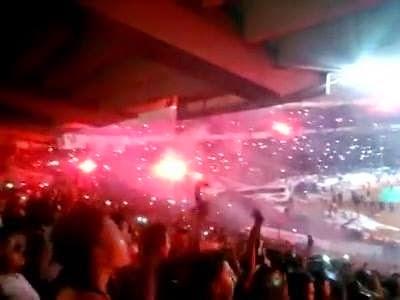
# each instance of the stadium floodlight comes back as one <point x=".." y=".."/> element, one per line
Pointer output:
<point x="376" y="76"/>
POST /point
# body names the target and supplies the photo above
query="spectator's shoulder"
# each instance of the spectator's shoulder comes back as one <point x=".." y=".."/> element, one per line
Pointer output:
<point x="70" y="294"/>
<point x="128" y="272"/>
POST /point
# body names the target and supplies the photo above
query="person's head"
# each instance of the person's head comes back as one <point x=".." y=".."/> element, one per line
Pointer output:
<point x="14" y="212"/>
<point x="268" y="284"/>
<point x="322" y="286"/>
<point x="40" y="212"/>
<point x="211" y="277"/>
<point x="3" y="201"/>
<point x="355" y="290"/>
<point x="12" y="250"/>
<point x="366" y="278"/>
<point x="180" y="242"/>
<point x="154" y="241"/>
<point x="392" y="286"/>
<point x="300" y="286"/>
<point x="87" y="242"/>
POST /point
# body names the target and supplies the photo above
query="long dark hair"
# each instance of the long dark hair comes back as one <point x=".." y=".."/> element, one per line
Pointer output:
<point x="298" y="284"/>
<point x="74" y="238"/>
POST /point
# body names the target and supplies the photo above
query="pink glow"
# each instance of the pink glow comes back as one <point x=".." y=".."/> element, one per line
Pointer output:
<point x="170" y="167"/>
<point x="282" y="128"/>
<point x="87" y="166"/>
<point x="197" y="176"/>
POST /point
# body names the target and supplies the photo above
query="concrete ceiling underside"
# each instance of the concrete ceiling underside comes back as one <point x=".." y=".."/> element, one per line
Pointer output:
<point x="267" y="19"/>
<point x="99" y="61"/>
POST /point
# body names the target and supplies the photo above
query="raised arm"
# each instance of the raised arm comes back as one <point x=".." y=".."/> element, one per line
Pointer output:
<point x="251" y="250"/>
<point x="199" y="214"/>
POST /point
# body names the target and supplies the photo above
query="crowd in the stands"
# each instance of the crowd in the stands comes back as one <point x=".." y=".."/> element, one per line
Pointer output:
<point x="82" y="249"/>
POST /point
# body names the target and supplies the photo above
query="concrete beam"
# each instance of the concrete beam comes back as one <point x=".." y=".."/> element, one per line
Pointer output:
<point x="214" y="43"/>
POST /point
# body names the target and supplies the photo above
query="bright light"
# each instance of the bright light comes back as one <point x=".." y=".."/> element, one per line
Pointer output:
<point x="170" y="167"/>
<point x="87" y="166"/>
<point x="171" y="201"/>
<point x="377" y="77"/>
<point x="142" y="220"/>
<point x="346" y="257"/>
<point x="43" y="185"/>
<point x="9" y="185"/>
<point x="282" y="128"/>
<point x="371" y="75"/>
<point x="326" y="258"/>
<point x="108" y="202"/>
<point x="53" y="163"/>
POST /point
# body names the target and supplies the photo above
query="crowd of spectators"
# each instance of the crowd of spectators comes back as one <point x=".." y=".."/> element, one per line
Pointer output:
<point x="82" y="249"/>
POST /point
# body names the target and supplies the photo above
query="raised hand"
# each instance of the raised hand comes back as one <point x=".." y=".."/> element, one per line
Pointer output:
<point x="258" y="217"/>
<point x="197" y="191"/>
